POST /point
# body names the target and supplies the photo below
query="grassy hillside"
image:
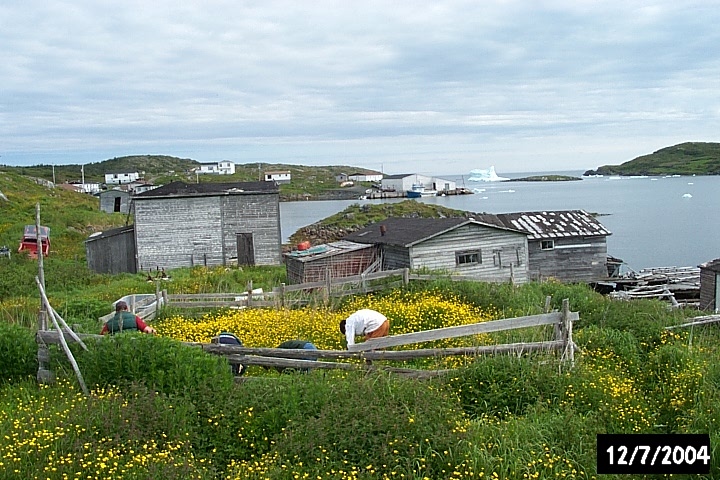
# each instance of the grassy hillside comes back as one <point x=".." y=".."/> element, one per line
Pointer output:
<point x="154" y="166"/>
<point x="691" y="158"/>
<point x="356" y="216"/>
<point x="71" y="216"/>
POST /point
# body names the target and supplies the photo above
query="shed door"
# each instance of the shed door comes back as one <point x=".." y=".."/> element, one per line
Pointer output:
<point x="245" y="249"/>
<point x="117" y="204"/>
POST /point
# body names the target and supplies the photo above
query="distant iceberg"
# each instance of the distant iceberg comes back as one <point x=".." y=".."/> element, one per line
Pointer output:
<point x="488" y="175"/>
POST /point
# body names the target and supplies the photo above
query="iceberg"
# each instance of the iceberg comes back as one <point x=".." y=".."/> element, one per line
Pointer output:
<point x="489" y="175"/>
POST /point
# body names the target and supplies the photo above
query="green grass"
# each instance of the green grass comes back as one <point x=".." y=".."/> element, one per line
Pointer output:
<point x="507" y="416"/>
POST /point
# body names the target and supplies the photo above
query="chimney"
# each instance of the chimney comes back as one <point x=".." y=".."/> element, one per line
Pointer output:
<point x="383" y="229"/>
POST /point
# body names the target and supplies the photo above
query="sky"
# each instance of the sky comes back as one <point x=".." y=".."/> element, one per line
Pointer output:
<point x="433" y="87"/>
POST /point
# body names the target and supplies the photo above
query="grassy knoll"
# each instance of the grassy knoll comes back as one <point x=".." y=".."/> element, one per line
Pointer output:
<point x="160" y="410"/>
<point x="690" y="158"/>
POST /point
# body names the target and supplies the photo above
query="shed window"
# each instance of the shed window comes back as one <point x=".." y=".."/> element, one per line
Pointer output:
<point x="468" y="257"/>
<point x="547" y="245"/>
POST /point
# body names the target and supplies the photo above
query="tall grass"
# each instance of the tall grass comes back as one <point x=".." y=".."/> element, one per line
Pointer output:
<point x="492" y="417"/>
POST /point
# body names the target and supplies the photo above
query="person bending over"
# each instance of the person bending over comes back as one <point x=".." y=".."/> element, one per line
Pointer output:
<point x="365" y="322"/>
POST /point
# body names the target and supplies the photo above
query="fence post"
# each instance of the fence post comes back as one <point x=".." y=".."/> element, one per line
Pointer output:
<point x="157" y="297"/>
<point x="569" y="350"/>
<point x="406" y="276"/>
<point x="282" y="295"/>
<point x="249" y="293"/>
<point x="363" y="282"/>
<point x="328" y="285"/>
<point x="166" y="300"/>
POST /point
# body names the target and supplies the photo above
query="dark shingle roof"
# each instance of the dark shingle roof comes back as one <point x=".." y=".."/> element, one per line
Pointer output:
<point x="551" y="224"/>
<point x="182" y="189"/>
<point x="406" y="232"/>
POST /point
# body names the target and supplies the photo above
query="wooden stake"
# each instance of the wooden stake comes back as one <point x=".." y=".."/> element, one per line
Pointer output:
<point x="68" y="353"/>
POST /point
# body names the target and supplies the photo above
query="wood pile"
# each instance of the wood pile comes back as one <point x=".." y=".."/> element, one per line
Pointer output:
<point x="678" y="285"/>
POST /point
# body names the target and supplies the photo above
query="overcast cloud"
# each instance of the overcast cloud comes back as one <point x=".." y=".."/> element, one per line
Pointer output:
<point x="431" y="87"/>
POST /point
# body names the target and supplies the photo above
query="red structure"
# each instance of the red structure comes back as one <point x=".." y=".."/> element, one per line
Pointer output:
<point x="29" y="241"/>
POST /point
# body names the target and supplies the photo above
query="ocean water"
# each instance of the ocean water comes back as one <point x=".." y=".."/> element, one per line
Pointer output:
<point x="655" y="221"/>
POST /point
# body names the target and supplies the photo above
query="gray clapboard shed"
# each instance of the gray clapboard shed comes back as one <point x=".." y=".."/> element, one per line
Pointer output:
<point x="710" y="285"/>
<point x="210" y="224"/>
<point x="568" y="245"/>
<point x="463" y="246"/>
<point x="112" y="251"/>
<point x="115" y="201"/>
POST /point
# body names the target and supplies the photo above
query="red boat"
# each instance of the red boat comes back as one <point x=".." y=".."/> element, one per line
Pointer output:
<point x="29" y="241"/>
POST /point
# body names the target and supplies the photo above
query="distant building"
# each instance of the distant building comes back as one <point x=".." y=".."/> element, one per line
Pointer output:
<point x="87" y="187"/>
<point x="280" y="176"/>
<point x="183" y="225"/>
<point x="405" y="181"/>
<point x="341" y="177"/>
<point x="140" y="187"/>
<point x="365" y="177"/>
<point x="115" y="200"/>
<point x="226" y="167"/>
<point x="117" y="178"/>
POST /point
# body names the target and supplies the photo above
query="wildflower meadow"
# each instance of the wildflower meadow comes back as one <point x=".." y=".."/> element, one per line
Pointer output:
<point x="159" y="409"/>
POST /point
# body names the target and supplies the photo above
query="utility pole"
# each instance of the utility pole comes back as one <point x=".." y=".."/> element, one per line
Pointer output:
<point x="54" y="174"/>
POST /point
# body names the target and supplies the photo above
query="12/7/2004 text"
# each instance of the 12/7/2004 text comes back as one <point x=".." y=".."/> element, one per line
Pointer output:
<point x="653" y="453"/>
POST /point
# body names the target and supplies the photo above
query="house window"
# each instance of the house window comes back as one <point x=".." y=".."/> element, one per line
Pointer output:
<point x="468" y="257"/>
<point x="547" y="245"/>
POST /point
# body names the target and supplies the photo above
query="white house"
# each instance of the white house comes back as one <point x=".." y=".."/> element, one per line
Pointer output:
<point x="280" y="176"/>
<point x="226" y="167"/>
<point x="365" y="177"/>
<point x="118" y="178"/>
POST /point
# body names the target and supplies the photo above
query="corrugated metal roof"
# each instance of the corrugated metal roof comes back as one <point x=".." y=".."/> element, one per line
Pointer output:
<point x="326" y="250"/>
<point x="182" y="189"/>
<point x="554" y="224"/>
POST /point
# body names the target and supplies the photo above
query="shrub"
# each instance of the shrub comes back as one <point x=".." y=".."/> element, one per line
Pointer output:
<point x="18" y="352"/>
<point x="160" y="363"/>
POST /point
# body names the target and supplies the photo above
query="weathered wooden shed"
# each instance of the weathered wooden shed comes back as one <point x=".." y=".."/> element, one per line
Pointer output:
<point x="710" y="285"/>
<point x="115" y="200"/>
<point x="183" y="225"/>
<point x="567" y="245"/>
<point x="331" y="260"/>
<point x="463" y="246"/>
<point x="112" y="251"/>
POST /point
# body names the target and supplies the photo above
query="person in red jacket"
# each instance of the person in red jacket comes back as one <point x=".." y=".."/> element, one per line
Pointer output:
<point x="124" y="321"/>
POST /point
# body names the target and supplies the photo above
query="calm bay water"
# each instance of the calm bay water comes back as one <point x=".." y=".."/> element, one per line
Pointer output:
<point x="655" y="221"/>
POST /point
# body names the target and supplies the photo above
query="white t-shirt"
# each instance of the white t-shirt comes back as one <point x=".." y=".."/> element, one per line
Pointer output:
<point x="362" y="322"/>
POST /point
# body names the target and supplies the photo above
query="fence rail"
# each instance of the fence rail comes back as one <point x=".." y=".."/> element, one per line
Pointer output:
<point x="372" y="350"/>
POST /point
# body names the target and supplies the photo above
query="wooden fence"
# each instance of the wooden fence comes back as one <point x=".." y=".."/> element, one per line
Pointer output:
<point x="300" y="294"/>
<point x="373" y="350"/>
